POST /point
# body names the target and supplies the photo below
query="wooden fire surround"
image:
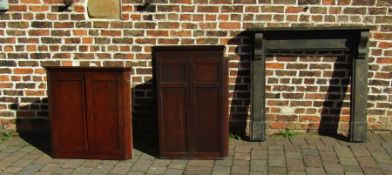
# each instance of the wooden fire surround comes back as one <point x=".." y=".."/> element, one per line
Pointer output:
<point x="352" y="38"/>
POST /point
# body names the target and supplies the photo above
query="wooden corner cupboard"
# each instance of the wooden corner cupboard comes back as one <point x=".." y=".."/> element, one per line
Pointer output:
<point x="192" y="91"/>
<point x="90" y="112"/>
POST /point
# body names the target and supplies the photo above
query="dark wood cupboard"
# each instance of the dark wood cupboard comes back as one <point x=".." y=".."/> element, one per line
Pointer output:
<point x="192" y="92"/>
<point x="90" y="112"/>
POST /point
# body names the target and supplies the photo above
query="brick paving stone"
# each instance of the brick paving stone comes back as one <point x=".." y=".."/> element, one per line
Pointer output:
<point x="31" y="156"/>
<point x="91" y="163"/>
<point x="360" y="150"/>
<point x="386" y="146"/>
<point x="141" y="165"/>
<point x="277" y="159"/>
<point x="225" y="162"/>
<point x="196" y="170"/>
<point x="12" y="169"/>
<point x="121" y="168"/>
<point x="50" y="167"/>
<point x="313" y="161"/>
<point x="201" y="163"/>
<point x="374" y="138"/>
<point x="161" y="162"/>
<point x="258" y="154"/>
<point x="385" y="167"/>
<point x="295" y="165"/>
<point x="294" y="154"/>
<point x="258" y="166"/>
<point x="353" y="173"/>
<point x="241" y="162"/>
<point x="157" y="170"/>
<point x="239" y="169"/>
<point x="14" y="157"/>
<point x="325" y="148"/>
<point x="372" y="171"/>
<point x="82" y="171"/>
<point x="72" y="163"/>
<point x="102" y="169"/>
<point x="296" y="173"/>
<point x="43" y="173"/>
<point x="329" y="157"/>
<point x="146" y="157"/>
<point x="136" y="173"/>
<point x="275" y="148"/>
<point x="313" y="140"/>
<point x="174" y="172"/>
<point x="30" y="169"/>
<point x="243" y="148"/>
<point x="43" y="159"/>
<point x="258" y="145"/>
<point x="178" y="164"/>
<point x="27" y="149"/>
<point x="329" y="141"/>
<point x="333" y="168"/>
<point x="65" y="171"/>
<point x="368" y="162"/>
<point x="310" y="152"/>
<point x="313" y="170"/>
<point x="242" y="155"/>
<point x="277" y="170"/>
<point x="221" y="170"/>
<point x="298" y="140"/>
<point x="3" y="155"/>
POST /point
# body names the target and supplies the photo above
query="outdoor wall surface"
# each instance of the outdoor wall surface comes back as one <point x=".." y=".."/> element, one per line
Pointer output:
<point x="302" y="88"/>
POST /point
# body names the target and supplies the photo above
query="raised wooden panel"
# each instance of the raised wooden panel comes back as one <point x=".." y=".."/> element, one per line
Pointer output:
<point x="174" y="127"/>
<point x="104" y="114"/>
<point x="206" y="72"/>
<point x="69" y="135"/>
<point x="173" y="72"/>
<point x="207" y="118"/>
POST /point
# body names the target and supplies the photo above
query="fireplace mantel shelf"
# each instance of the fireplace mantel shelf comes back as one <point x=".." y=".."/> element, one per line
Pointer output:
<point x="307" y="28"/>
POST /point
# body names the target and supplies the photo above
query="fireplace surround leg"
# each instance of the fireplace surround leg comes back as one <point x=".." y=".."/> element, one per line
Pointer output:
<point x="359" y="91"/>
<point x="257" y="124"/>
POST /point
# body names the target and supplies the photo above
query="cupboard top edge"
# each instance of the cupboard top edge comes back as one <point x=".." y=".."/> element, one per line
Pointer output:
<point x="75" y="68"/>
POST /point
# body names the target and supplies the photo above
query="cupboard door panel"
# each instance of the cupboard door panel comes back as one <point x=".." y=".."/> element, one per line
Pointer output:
<point x="206" y="117"/>
<point x="68" y="119"/>
<point x="174" y="137"/>
<point x="172" y="67"/>
<point x="104" y="114"/>
<point x="206" y="70"/>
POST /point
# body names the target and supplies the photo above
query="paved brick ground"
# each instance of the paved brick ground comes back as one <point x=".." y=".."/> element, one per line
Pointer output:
<point x="307" y="154"/>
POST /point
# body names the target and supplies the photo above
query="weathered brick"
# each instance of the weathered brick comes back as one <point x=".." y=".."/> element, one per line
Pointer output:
<point x="363" y="2"/>
<point x="306" y="2"/>
<point x="41" y="24"/>
<point x="20" y="24"/>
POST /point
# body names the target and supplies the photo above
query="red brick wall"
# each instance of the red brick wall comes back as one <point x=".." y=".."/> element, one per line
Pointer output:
<point x="301" y="91"/>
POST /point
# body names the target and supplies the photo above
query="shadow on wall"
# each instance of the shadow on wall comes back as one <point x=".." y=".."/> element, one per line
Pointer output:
<point x="35" y="131"/>
<point x="330" y="111"/>
<point x="145" y="120"/>
<point x="240" y="91"/>
<point x="332" y="108"/>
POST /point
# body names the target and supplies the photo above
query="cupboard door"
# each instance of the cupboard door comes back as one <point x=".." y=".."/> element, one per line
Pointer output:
<point x="207" y="104"/>
<point x="105" y="120"/>
<point x="172" y="95"/>
<point x="67" y="115"/>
